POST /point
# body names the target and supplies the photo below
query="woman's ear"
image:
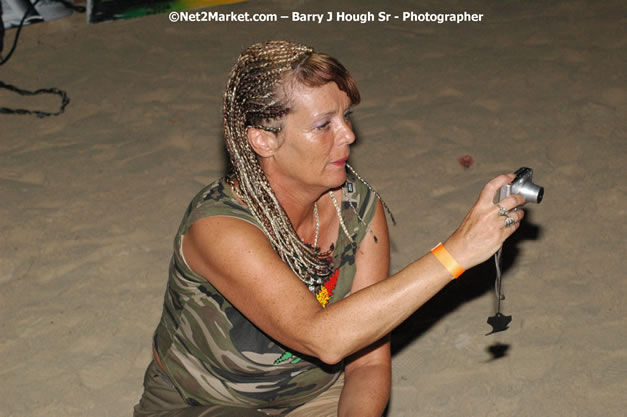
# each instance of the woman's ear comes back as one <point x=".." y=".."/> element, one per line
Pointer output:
<point x="264" y="143"/>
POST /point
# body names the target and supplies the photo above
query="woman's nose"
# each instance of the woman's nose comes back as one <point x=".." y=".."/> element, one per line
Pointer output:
<point x="346" y="133"/>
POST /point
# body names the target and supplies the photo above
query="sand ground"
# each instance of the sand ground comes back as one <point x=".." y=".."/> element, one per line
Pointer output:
<point x="91" y="199"/>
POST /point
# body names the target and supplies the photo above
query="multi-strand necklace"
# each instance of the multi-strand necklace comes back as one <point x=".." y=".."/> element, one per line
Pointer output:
<point x="338" y="210"/>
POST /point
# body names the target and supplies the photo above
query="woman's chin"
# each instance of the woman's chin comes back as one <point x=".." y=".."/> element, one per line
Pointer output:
<point x="337" y="179"/>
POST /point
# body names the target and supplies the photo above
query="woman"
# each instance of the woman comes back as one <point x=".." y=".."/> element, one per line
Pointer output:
<point x="279" y="300"/>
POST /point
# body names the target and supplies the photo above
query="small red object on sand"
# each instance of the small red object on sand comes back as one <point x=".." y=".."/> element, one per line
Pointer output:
<point x="466" y="161"/>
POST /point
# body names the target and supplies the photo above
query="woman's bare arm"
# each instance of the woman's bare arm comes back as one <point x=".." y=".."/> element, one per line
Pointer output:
<point x="242" y="265"/>
<point x="367" y="376"/>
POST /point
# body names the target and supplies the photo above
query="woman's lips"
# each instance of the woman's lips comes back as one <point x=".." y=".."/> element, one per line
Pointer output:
<point x="340" y="162"/>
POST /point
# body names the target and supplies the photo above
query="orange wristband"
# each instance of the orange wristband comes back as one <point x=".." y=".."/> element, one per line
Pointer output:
<point x="447" y="260"/>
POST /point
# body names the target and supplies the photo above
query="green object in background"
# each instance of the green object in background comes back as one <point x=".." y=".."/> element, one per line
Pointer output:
<point x="103" y="10"/>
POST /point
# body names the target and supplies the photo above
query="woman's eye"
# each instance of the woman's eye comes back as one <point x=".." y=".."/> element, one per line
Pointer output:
<point x="323" y="126"/>
<point x="347" y="115"/>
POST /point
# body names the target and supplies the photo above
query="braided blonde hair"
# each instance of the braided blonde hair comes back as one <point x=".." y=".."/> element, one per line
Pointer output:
<point x="257" y="96"/>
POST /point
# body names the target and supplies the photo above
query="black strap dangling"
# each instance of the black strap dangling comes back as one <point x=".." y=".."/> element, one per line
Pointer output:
<point x="499" y="322"/>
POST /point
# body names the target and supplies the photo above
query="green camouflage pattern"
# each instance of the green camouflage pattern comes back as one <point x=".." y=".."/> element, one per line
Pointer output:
<point x="214" y="355"/>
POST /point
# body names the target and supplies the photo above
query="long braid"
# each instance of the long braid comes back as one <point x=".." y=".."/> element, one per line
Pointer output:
<point x="251" y="100"/>
<point x="371" y="188"/>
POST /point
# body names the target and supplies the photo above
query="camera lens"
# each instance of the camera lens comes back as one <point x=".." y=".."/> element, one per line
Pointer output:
<point x="533" y="193"/>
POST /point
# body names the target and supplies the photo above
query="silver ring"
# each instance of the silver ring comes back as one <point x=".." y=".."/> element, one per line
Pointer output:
<point x="509" y="221"/>
<point x="502" y="211"/>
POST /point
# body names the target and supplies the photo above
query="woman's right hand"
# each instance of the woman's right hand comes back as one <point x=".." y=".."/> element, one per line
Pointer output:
<point x="483" y="230"/>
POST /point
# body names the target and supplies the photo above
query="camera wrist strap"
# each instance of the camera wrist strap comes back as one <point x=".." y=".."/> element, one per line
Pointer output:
<point x="498" y="288"/>
<point x="499" y="322"/>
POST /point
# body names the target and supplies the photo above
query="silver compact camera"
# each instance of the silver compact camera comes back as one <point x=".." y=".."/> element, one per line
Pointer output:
<point x="523" y="185"/>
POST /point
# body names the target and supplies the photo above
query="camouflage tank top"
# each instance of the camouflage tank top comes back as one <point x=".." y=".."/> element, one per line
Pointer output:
<point x="216" y="356"/>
